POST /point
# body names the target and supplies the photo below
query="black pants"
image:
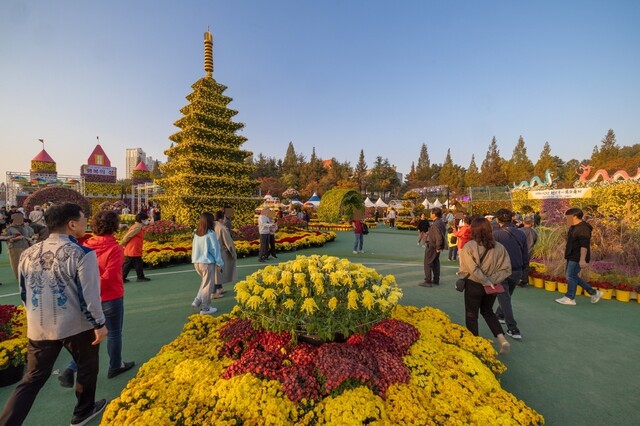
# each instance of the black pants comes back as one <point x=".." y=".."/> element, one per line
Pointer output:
<point x="133" y="262"/>
<point x="475" y="299"/>
<point x="264" y="246"/>
<point x="272" y="245"/>
<point x="431" y="265"/>
<point x="41" y="357"/>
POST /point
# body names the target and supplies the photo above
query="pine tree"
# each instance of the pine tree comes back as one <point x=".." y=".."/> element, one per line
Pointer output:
<point x="451" y="174"/>
<point x="472" y="176"/>
<point x="360" y="174"/>
<point x="608" y="152"/>
<point x="206" y="169"/>
<point x="424" y="171"/>
<point x="491" y="170"/>
<point x="545" y="162"/>
<point x="411" y="180"/>
<point x="519" y="167"/>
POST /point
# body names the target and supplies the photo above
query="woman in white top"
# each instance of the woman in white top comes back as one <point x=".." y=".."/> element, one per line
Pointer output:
<point x="206" y="258"/>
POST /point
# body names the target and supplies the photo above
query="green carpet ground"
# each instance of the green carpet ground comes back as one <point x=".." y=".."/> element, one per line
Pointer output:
<point x="576" y="365"/>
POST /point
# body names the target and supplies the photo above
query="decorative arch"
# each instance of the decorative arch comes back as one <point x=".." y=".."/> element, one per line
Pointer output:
<point x="56" y="195"/>
<point x="336" y="203"/>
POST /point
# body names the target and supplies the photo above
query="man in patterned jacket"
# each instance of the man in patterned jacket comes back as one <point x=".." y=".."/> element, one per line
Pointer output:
<point x="60" y="287"/>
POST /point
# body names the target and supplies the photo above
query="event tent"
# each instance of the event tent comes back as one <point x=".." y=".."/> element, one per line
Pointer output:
<point x="368" y="203"/>
<point x="315" y="200"/>
<point x="380" y="203"/>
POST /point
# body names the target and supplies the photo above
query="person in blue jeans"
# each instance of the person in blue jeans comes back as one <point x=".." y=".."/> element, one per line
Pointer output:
<point x="359" y="241"/>
<point x="577" y="254"/>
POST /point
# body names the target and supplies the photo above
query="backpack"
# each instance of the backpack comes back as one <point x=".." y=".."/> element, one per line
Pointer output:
<point x="454" y="240"/>
<point x="365" y="229"/>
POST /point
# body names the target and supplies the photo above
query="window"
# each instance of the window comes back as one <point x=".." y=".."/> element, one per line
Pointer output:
<point x="99" y="159"/>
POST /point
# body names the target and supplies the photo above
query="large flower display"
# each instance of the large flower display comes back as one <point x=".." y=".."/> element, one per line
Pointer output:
<point x="413" y="366"/>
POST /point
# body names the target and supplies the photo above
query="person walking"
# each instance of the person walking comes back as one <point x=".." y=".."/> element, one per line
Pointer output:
<point x="110" y="260"/>
<point x="132" y="243"/>
<point x="60" y="282"/>
<point x="18" y="236"/>
<point x="392" y="217"/>
<point x="229" y="256"/>
<point x="577" y="254"/>
<point x="423" y="229"/>
<point x="264" y="228"/>
<point x="486" y="263"/>
<point x="207" y="260"/>
<point x="515" y="242"/>
<point x="462" y="231"/>
<point x="358" y="231"/>
<point x="532" y="237"/>
<point x="272" y="238"/>
<point x="436" y="242"/>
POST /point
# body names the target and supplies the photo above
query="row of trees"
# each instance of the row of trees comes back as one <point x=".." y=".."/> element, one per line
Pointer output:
<point x="316" y="175"/>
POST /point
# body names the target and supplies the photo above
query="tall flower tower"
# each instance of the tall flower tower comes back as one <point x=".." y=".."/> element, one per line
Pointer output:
<point x="206" y="169"/>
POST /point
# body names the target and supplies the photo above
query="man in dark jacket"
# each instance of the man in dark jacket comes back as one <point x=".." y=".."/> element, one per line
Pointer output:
<point x="436" y="238"/>
<point x="515" y="242"/>
<point x="578" y="254"/>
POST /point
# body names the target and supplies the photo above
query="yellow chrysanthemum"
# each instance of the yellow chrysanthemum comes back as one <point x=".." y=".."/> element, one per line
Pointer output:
<point x="269" y="294"/>
<point x="289" y="303"/>
<point x="333" y="303"/>
<point x="352" y="300"/>
<point x="367" y="300"/>
<point x="254" y="302"/>
<point x="309" y="306"/>
<point x="300" y="279"/>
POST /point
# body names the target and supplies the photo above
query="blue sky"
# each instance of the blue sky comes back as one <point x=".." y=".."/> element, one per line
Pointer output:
<point x="340" y="76"/>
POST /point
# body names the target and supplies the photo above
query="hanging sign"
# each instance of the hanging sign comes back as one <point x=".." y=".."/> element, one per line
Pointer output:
<point x="560" y="193"/>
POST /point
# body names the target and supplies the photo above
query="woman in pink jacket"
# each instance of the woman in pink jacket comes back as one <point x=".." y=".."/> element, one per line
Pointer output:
<point x="110" y="260"/>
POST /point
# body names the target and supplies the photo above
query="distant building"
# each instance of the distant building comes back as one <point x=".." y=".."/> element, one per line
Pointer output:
<point x="133" y="156"/>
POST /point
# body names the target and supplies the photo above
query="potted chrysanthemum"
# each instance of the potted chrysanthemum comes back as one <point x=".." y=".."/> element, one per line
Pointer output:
<point x="13" y="344"/>
<point x="321" y="296"/>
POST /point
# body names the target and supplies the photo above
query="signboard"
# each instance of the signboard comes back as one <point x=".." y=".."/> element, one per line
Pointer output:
<point x="560" y="193"/>
<point x="98" y="170"/>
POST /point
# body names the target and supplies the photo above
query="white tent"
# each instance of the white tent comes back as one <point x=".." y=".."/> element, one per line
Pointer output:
<point x="380" y="203"/>
<point x="437" y="203"/>
<point x="295" y="201"/>
<point x="426" y="203"/>
<point x="368" y="203"/>
<point x="315" y="200"/>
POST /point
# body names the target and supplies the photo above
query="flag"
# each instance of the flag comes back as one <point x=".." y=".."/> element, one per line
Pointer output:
<point x="41" y="140"/>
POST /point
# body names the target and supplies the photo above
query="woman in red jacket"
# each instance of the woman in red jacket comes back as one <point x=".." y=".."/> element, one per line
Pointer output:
<point x="110" y="260"/>
<point x="132" y="243"/>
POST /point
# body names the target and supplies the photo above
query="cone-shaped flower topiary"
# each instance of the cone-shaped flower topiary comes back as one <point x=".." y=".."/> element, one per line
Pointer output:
<point x="206" y="169"/>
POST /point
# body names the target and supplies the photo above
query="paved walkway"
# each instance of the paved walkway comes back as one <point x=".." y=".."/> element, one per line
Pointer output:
<point x="575" y="365"/>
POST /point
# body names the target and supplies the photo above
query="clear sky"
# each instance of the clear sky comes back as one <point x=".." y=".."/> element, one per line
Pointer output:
<point x="340" y="76"/>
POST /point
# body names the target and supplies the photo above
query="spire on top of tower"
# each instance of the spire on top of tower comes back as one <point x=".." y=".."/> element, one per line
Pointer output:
<point x="208" y="53"/>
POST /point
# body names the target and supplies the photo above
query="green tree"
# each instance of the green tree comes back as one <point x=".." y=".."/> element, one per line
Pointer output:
<point x="206" y="168"/>
<point x="608" y="151"/>
<point x="360" y="174"/>
<point x="266" y="167"/>
<point x="519" y="167"/>
<point x="472" y="176"/>
<point x="424" y="171"/>
<point x="545" y="162"/>
<point x="491" y="171"/>
<point x="312" y="173"/>
<point x="451" y="174"/>
<point x="411" y="179"/>
<point x="337" y="175"/>
<point x="383" y="178"/>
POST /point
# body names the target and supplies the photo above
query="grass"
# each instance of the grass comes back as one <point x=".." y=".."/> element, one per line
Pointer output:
<point x="575" y="364"/>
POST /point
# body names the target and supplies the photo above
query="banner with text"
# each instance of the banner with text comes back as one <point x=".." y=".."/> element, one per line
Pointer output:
<point x="560" y="193"/>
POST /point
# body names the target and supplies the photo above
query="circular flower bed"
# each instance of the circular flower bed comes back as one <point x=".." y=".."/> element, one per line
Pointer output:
<point x="396" y="365"/>
<point x="13" y="336"/>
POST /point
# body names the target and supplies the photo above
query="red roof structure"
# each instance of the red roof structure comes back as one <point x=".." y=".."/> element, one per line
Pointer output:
<point x="98" y="157"/>
<point x="141" y="167"/>
<point x="44" y="157"/>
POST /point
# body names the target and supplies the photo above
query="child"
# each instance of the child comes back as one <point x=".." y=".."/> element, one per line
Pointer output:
<point x="453" y="244"/>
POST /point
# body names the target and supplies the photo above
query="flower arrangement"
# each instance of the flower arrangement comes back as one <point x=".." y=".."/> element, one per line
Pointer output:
<point x="317" y="295"/>
<point x="56" y="195"/>
<point x="291" y="193"/>
<point x="623" y="287"/>
<point x="248" y="233"/>
<point x="43" y="166"/>
<point x="291" y="222"/>
<point x="13" y="336"/>
<point x="164" y="231"/>
<point x="451" y="380"/>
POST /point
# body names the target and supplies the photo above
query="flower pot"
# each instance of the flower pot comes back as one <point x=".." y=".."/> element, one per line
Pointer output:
<point x="538" y="283"/>
<point x="530" y="280"/>
<point x="11" y="375"/>
<point x="550" y="285"/>
<point x="623" y="295"/>
<point x="563" y="287"/>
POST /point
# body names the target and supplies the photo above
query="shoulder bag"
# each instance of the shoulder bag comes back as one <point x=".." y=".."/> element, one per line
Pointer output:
<point x="461" y="282"/>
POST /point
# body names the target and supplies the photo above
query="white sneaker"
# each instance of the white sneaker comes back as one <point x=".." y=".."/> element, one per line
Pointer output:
<point x="566" y="301"/>
<point x="209" y="311"/>
<point x="361" y="251"/>
<point x="355" y="252"/>
<point x="596" y="297"/>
